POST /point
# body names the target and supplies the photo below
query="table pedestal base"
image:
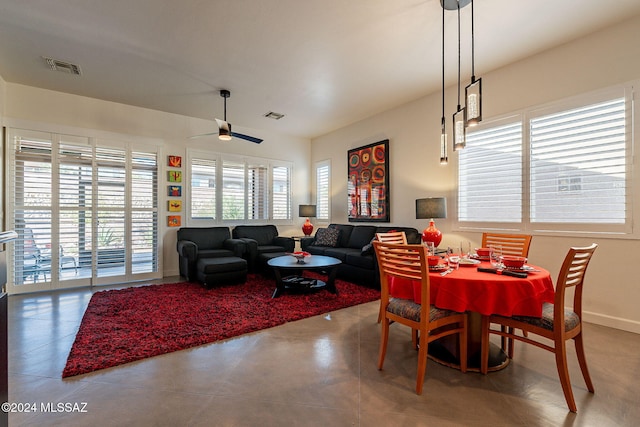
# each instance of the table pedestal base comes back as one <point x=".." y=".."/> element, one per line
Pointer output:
<point x="439" y="353"/>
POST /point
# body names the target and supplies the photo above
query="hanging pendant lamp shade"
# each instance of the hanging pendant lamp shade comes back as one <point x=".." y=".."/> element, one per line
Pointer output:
<point x="459" y="117"/>
<point x="473" y="92"/>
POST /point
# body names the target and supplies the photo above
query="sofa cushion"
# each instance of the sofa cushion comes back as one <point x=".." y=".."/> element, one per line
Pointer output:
<point x="345" y="233"/>
<point x="269" y="249"/>
<point x="361" y="236"/>
<point x="263" y="234"/>
<point x="362" y="261"/>
<point x="317" y="250"/>
<point x="341" y="253"/>
<point x="327" y="237"/>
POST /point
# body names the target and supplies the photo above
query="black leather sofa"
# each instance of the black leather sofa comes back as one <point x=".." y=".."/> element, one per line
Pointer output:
<point x="354" y="249"/>
<point x="211" y="256"/>
<point x="262" y="243"/>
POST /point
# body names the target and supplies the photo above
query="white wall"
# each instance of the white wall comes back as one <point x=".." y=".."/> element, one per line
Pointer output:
<point x="594" y="62"/>
<point x="56" y="110"/>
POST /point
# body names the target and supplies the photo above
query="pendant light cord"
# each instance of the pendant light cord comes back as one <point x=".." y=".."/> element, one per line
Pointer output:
<point x="443" y="121"/>
<point x="458" y="3"/>
<point x="473" y="49"/>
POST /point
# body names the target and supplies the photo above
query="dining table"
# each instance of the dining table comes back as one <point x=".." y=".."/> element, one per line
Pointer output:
<point x="479" y="293"/>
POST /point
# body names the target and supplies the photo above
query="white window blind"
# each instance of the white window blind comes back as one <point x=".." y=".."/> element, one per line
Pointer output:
<point x="231" y="188"/>
<point x="233" y="196"/>
<point x="281" y="178"/>
<point x="258" y="194"/>
<point x="144" y="211"/>
<point x="83" y="209"/>
<point x="32" y="197"/>
<point x="490" y="175"/>
<point x="75" y="156"/>
<point x="578" y="165"/>
<point x="323" y="171"/>
<point x="203" y="188"/>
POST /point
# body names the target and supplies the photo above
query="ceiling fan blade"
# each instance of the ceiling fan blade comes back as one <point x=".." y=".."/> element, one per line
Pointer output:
<point x="246" y="137"/>
<point x="203" y="135"/>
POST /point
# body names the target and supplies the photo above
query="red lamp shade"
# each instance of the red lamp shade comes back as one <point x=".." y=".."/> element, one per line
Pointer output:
<point x="432" y="234"/>
<point x="307" y="228"/>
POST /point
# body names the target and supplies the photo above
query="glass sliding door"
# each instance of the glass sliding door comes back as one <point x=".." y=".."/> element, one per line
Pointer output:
<point x="86" y="211"/>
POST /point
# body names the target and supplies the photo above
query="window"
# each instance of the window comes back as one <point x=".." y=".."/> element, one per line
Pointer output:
<point x="565" y="167"/>
<point x="250" y="189"/>
<point x="323" y="190"/>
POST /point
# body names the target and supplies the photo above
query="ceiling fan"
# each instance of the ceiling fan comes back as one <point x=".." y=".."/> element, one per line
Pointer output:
<point x="224" y="127"/>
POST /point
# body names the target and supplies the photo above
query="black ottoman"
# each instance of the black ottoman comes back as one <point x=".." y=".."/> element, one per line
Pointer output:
<point x="222" y="270"/>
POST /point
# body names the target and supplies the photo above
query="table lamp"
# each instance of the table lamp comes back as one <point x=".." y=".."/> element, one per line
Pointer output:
<point x="308" y="211"/>
<point x="430" y="208"/>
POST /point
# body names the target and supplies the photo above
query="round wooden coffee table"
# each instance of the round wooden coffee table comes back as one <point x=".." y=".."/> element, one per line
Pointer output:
<point x="294" y="280"/>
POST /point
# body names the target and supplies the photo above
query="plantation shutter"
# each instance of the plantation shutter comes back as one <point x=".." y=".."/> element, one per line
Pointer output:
<point x="144" y="211"/>
<point x="32" y="204"/>
<point x="322" y="191"/>
<point x="578" y="165"/>
<point x="233" y="195"/>
<point x="111" y="204"/>
<point x="203" y="188"/>
<point x="281" y="177"/>
<point x="258" y="196"/>
<point x="490" y="175"/>
<point x="75" y="156"/>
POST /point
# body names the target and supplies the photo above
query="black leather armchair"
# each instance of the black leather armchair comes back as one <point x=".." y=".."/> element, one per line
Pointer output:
<point x="196" y="243"/>
<point x="260" y="240"/>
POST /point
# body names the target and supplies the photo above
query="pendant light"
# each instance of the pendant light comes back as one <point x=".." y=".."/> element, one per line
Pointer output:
<point x="473" y="92"/>
<point x="444" y="159"/>
<point x="459" y="129"/>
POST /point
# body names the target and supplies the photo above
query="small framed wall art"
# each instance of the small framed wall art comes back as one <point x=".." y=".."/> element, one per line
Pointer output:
<point x="174" y="176"/>
<point x="175" y="205"/>
<point x="173" y="221"/>
<point x="175" y="191"/>
<point x="174" y="161"/>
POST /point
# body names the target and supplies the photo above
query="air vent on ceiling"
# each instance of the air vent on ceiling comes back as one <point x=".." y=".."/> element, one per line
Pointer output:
<point x="65" y="67"/>
<point x="274" y="116"/>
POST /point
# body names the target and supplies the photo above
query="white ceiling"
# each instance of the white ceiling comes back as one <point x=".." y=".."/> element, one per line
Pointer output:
<point x="322" y="63"/>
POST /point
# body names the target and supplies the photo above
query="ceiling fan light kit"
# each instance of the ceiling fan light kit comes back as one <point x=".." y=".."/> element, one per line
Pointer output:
<point x="224" y="127"/>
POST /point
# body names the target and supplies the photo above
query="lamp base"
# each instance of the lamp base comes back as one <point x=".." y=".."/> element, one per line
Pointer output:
<point x="432" y="234"/>
<point x="307" y="228"/>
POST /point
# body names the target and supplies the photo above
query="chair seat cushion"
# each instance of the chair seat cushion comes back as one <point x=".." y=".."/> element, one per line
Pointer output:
<point x="221" y="265"/>
<point x="571" y="319"/>
<point x="215" y="253"/>
<point x="410" y="310"/>
<point x="263" y="249"/>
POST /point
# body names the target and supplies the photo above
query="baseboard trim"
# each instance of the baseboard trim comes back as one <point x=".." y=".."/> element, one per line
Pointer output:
<point x="612" y="322"/>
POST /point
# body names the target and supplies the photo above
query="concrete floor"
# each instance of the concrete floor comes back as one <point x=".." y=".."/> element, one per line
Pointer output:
<point x="319" y="371"/>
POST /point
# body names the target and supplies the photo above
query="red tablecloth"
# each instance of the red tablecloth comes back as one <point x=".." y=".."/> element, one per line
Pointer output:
<point x="466" y="289"/>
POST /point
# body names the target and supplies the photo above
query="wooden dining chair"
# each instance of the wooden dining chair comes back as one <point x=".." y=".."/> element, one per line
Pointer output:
<point x="398" y="238"/>
<point x="410" y="262"/>
<point x="512" y="244"/>
<point x="557" y="324"/>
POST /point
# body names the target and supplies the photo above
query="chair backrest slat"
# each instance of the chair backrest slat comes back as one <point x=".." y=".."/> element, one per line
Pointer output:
<point x="512" y="244"/>
<point x="395" y="237"/>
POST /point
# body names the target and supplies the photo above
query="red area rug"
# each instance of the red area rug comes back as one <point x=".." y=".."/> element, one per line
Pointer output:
<point x="124" y="325"/>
